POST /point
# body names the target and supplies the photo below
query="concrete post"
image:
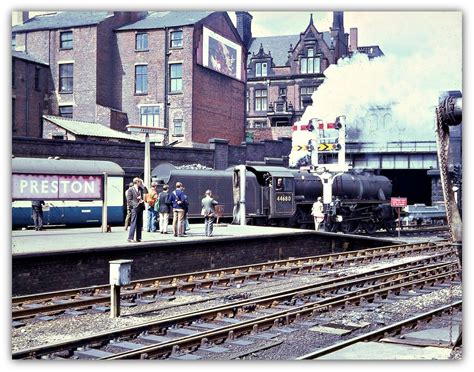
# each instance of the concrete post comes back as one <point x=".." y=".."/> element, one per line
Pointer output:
<point x="104" y="204"/>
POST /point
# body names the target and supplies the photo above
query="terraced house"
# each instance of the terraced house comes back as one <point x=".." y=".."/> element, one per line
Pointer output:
<point x="183" y="71"/>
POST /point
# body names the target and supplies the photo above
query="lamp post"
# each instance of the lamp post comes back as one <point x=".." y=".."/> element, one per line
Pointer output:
<point x="159" y="135"/>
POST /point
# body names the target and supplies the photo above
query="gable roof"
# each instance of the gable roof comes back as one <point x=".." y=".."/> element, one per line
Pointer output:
<point x="167" y="19"/>
<point x="27" y="57"/>
<point x="84" y="128"/>
<point x="279" y="46"/>
<point x="57" y="20"/>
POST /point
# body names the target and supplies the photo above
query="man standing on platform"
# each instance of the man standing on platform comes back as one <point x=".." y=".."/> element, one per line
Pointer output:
<point x="208" y="211"/>
<point x="129" y="210"/>
<point x="317" y="213"/>
<point x="37" y="214"/>
<point x="136" y="203"/>
<point x="177" y="199"/>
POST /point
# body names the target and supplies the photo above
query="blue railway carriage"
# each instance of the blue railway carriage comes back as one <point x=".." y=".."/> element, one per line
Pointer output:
<point x="72" y="189"/>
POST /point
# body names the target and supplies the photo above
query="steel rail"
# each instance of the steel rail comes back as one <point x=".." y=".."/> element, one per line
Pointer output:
<point x="262" y="323"/>
<point x="206" y="279"/>
<point x="232" y="308"/>
<point x="381" y="333"/>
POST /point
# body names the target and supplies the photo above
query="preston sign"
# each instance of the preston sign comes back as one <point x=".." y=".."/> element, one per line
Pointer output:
<point x="56" y="187"/>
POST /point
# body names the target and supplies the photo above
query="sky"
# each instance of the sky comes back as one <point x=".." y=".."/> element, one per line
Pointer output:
<point x="401" y="33"/>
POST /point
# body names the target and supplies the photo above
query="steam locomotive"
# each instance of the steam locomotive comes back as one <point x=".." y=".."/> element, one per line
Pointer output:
<point x="360" y="198"/>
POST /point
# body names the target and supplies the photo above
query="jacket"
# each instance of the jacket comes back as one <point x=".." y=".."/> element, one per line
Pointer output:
<point x="208" y="205"/>
<point x="135" y="198"/>
<point x="164" y="204"/>
<point x="177" y="199"/>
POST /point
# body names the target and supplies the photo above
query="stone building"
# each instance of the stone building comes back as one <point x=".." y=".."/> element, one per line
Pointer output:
<point x="184" y="71"/>
<point x="284" y="71"/>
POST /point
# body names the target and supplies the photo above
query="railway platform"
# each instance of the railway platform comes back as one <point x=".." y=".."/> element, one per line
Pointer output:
<point x="57" y="259"/>
<point x="62" y="239"/>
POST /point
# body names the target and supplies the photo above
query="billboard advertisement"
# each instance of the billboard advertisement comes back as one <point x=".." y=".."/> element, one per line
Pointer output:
<point x="221" y="55"/>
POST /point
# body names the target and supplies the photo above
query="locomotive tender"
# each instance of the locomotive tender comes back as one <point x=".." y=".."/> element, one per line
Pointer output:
<point x="361" y="198"/>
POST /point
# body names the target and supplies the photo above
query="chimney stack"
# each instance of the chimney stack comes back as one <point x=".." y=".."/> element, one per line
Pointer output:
<point x="353" y="42"/>
<point x="244" y="27"/>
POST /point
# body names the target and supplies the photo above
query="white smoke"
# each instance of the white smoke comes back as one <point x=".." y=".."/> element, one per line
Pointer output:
<point x="387" y="98"/>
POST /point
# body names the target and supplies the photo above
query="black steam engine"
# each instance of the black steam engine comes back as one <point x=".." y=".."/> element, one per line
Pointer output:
<point x="278" y="196"/>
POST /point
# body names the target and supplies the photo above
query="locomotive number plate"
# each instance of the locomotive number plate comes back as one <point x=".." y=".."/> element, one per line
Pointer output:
<point x="284" y="197"/>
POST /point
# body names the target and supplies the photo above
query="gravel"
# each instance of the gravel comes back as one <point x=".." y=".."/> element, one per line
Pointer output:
<point x="63" y="328"/>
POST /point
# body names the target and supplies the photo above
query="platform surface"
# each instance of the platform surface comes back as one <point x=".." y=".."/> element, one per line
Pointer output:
<point x="62" y="239"/>
<point x="382" y="351"/>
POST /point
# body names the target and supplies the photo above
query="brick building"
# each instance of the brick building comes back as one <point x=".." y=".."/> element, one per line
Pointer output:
<point x="31" y="83"/>
<point x="166" y="80"/>
<point x="148" y="68"/>
<point x="284" y="71"/>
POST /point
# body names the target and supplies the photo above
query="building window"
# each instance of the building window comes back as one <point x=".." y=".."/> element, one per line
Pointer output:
<point x="178" y="128"/>
<point x="260" y="124"/>
<point x="176" y="77"/>
<point x="260" y="99"/>
<point x="65" y="40"/>
<point x="310" y="64"/>
<point x="247" y="101"/>
<point x="37" y="78"/>
<point x="282" y="92"/>
<point x="141" y="79"/>
<point x="65" y="111"/>
<point x="141" y="41"/>
<point x="150" y="116"/>
<point x="66" y="82"/>
<point x="305" y="96"/>
<point x="14" y="42"/>
<point x="57" y="136"/>
<point x="176" y="39"/>
<point x="261" y="69"/>
<point x="281" y="123"/>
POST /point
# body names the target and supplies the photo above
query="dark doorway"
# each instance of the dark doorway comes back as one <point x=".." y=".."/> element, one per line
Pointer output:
<point x="413" y="184"/>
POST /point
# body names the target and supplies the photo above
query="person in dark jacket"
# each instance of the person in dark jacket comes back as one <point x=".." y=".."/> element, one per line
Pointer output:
<point x="163" y="207"/>
<point x="136" y="202"/>
<point x="37" y="214"/>
<point x="129" y="210"/>
<point x="177" y="199"/>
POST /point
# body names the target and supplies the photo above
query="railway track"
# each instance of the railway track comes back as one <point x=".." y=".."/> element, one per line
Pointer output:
<point x="186" y="333"/>
<point x="415" y="231"/>
<point x="386" y="334"/>
<point x="154" y="289"/>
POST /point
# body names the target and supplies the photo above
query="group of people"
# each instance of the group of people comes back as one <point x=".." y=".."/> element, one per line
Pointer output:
<point x="159" y="206"/>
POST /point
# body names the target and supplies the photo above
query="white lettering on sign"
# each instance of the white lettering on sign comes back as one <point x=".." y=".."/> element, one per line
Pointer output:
<point x="60" y="187"/>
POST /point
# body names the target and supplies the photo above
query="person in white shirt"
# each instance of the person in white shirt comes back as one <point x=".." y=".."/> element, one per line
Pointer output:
<point x="317" y="213"/>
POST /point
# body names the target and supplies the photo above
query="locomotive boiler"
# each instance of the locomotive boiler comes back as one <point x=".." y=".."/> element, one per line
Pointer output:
<point x="278" y="196"/>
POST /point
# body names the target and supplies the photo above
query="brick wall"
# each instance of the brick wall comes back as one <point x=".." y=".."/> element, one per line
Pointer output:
<point x="44" y="272"/>
<point x="29" y="104"/>
<point x="130" y="156"/>
<point x="219" y="100"/>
